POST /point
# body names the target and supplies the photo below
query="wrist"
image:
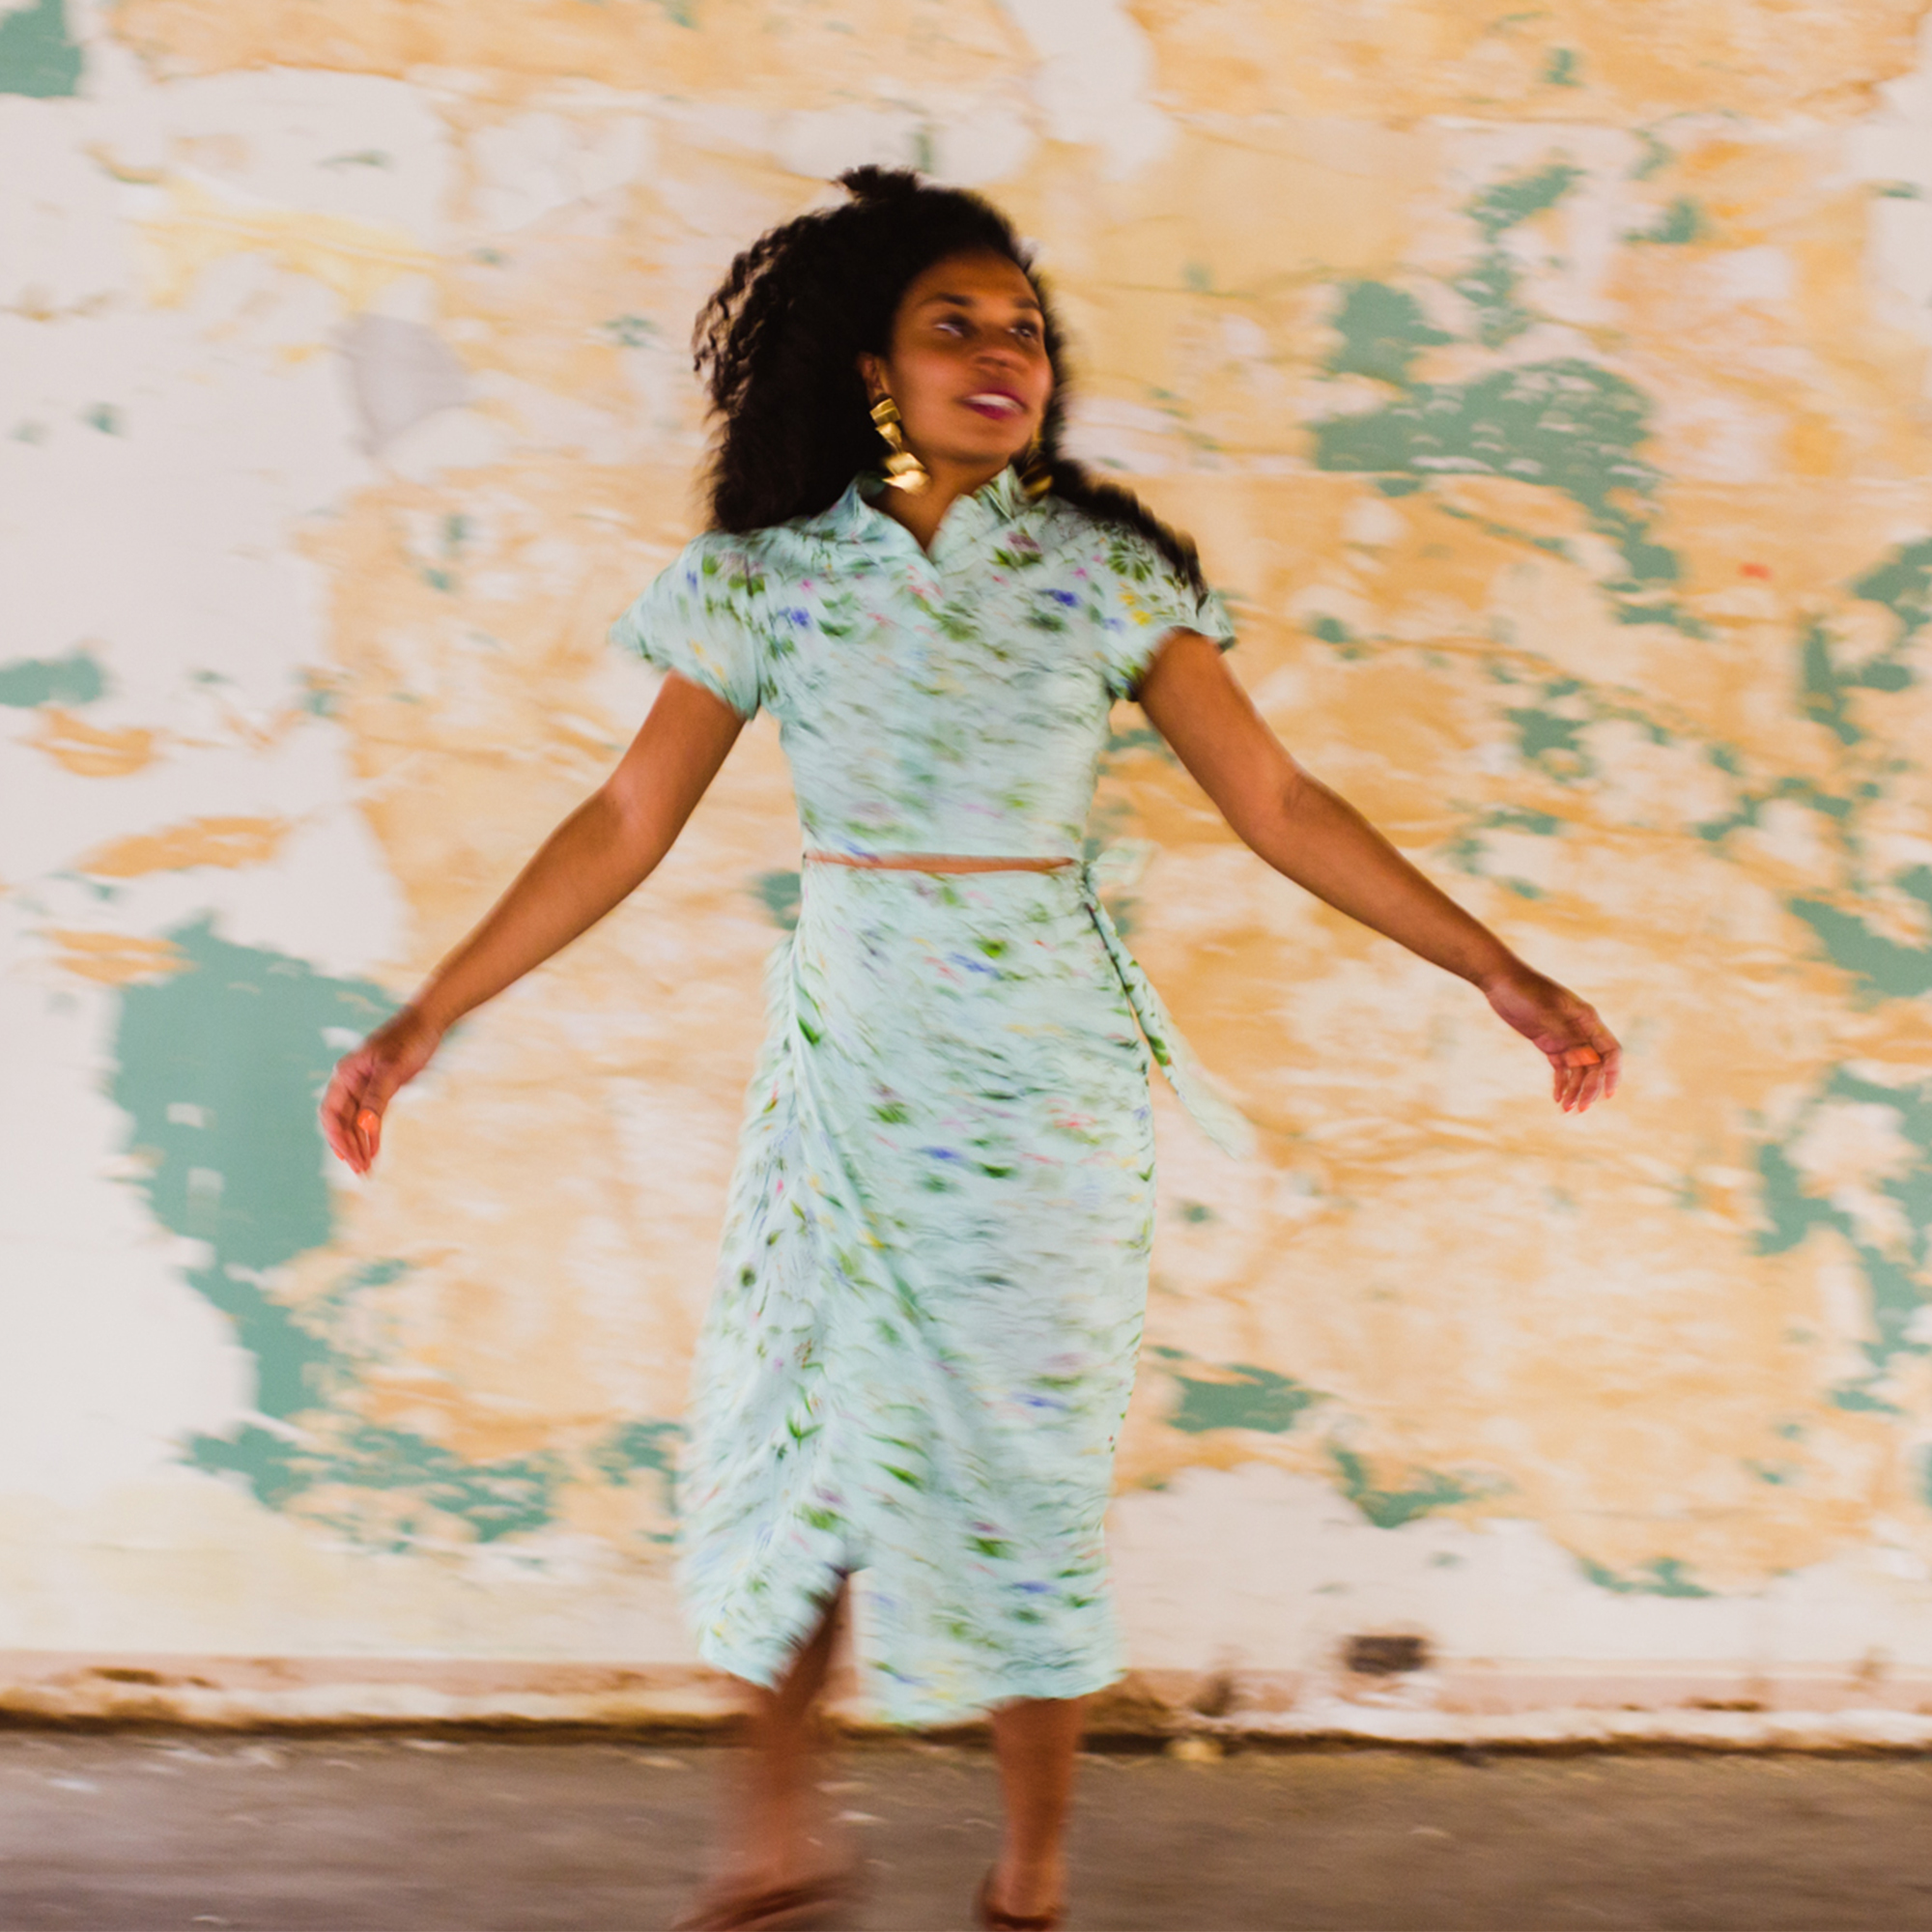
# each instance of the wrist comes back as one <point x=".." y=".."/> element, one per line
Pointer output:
<point x="424" y="1012"/>
<point x="1502" y="969"/>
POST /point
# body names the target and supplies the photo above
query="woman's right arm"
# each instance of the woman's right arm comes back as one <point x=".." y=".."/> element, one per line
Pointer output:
<point x="593" y="861"/>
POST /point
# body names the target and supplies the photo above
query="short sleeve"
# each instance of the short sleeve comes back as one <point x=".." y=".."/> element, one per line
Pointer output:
<point x="1146" y="597"/>
<point x="700" y="617"/>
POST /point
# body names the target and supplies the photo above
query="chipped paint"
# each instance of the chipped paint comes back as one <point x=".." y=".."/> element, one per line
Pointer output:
<point x="200" y="842"/>
<point x="1546" y="395"/>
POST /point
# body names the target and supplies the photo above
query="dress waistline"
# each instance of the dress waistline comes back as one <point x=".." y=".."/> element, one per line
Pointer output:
<point x="1213" y="1111"/>
<point x="938" y="862"/>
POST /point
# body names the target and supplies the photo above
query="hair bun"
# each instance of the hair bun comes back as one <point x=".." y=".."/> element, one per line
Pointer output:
<point x="876" y="185"/>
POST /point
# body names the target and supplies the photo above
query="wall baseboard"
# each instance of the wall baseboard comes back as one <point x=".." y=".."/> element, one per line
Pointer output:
<point x="1478" y="1705"/>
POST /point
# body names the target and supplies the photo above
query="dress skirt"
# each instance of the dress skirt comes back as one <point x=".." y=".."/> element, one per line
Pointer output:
<point x="931" y="1292"/>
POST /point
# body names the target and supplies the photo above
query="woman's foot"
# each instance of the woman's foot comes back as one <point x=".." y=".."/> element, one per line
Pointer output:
<point x="1029" y="1894"/>
<point x="739" y="1902"/>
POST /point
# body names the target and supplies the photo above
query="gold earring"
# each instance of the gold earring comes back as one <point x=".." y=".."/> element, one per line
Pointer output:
<point x="1035" y="472"/>
<point x="903" y="470"/>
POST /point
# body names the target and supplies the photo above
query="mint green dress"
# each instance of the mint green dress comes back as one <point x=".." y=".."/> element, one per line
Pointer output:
<point x="933" y="1270"/>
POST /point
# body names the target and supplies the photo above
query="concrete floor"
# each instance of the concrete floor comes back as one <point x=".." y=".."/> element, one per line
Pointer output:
<point x="145" y="1832"/>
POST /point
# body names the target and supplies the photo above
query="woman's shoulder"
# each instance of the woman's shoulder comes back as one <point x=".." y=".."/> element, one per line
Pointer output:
<point x="735" y="560"/>
<point x="1098" y="542"/>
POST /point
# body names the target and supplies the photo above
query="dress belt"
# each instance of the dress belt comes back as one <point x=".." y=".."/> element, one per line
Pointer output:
<point x="1213" y="1111"/>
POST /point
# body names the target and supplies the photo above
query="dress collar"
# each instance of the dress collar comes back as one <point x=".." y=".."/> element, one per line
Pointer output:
<point x="998" y="500"/>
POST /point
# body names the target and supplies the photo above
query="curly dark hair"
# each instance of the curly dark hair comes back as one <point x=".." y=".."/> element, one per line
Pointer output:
<point x="778" y="346"/>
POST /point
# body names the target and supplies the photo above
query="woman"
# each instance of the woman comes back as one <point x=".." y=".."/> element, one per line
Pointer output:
<point x="933" y="1271"/>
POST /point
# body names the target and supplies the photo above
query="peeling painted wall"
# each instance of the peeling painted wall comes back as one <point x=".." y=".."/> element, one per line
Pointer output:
<point x="1549" y="392"/>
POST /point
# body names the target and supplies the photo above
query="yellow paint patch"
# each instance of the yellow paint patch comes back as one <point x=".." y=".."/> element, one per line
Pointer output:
<point x="114" y="958"/>
<point x="743" y="48"/>
<point x="199" y="841"/>
<point x="89" y="750"/>
<point x="356" y="259"/>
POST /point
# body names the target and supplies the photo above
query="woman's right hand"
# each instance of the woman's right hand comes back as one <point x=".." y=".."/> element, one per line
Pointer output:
<point x="366" y="1080"/>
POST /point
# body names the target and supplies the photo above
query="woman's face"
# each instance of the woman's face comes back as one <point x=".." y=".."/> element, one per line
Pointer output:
<point x="967" y="365"/>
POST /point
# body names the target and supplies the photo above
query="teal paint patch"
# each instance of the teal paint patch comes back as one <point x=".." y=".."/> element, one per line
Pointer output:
<point x="1751" y="803"/>
<point x="1251" y="1397"/>
<point x="1903" y="586"/>
<point x="1563" y="69"/>
<point x="635" y="1446"/>
<point x="1884" y="966"/>
<point x="778" y="892"/>
<point x="219" y="1069"/>
<point x="647" y="1448"/>
<point x="631" y="331"/>
<point x="1469" y="851"/>
<point x="508" y="1497"/>
<point x="1490" y="289"/>
<point x="1663" y="1577"/>
<point x="1857" y="1400"/>
<point x="1427" y="1490"/>
<point x="1196" y="1212"/>
<point x="1789" y="1212"/>
<point x="1382" y="329"/>
<point x="1822" y="691"/>
<point x="1489" y="285"/>
<point x="75" y="679"/>
<point x="1518" y="818"/>
<point x="1893" y="1286"/>
<point x="1565" y="425"/>
<point x="1332" y="630"/>
<point x="1657" y="155"/>
<point x="38" y="56"/>
<point x="1683" y="221"/>
<point x="296" y="1369"/>
<point x="1551" y="742"/>
<point x="1503" y="206"/>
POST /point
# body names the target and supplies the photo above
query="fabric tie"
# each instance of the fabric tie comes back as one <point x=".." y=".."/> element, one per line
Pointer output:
<point x="1213" y="1111"/>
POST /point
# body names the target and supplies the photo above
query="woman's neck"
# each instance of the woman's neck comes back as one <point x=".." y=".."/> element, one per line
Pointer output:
<point x="924" y="513"/>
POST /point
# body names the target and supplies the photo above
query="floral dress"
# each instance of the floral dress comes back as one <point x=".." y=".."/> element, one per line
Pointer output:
<point x="933" y="1270"/>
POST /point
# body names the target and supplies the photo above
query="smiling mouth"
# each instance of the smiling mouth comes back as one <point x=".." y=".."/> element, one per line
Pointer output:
<point x="989" y="402"/>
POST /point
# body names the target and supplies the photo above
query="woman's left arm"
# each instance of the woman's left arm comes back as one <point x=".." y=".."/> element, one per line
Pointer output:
<point x="1319" y="839"/>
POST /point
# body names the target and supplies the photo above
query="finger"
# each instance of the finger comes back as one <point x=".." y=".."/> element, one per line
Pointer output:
<point x="355" y="1079"/>
<point x="1609" y="1056"/>
<point x="335" y="1113"/>
<point x="1583" y="1062"/>
<point x="1584" y="1084"/>
<point x="372" y="1106"/>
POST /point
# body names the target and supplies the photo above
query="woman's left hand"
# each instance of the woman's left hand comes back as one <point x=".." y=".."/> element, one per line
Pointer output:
<point x="1582" y="1052"/>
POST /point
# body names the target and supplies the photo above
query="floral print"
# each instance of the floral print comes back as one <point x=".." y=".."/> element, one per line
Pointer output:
<point x="933" y="1271"/>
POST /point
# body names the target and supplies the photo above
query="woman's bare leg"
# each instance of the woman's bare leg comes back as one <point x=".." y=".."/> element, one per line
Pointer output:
<point x="771" y="1837"/>
<point x="1034" y="1740"/>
